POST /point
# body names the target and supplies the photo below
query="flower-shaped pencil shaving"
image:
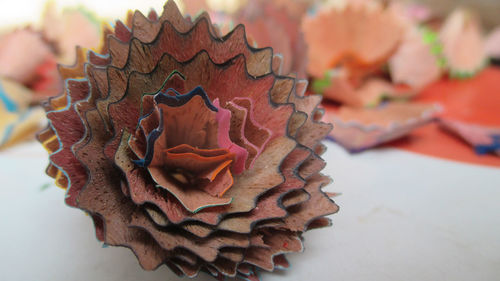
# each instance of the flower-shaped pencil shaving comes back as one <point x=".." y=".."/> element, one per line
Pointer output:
<point x="190" y="149"/>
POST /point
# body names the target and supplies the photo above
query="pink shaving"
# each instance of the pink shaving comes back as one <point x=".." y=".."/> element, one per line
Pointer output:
<point x="250" y="118"/>
<point x="223" y="117"/>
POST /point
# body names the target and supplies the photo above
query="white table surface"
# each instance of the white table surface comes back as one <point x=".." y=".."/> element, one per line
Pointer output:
<point x="403" y="217"/>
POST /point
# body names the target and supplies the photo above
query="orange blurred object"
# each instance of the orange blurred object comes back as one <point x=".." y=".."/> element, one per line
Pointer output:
<point x="368" y="94"/>
<point x="361" y="38"/>
<point x="475" y="101"/>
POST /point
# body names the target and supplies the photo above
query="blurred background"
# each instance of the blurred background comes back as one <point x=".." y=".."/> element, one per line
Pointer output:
<point x="29" y="10"/>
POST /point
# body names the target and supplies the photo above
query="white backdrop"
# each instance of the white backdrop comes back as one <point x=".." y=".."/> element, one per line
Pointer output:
<point x="21" y="11"/>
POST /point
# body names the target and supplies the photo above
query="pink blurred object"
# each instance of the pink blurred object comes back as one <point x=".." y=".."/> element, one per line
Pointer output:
<point x="411" y="12"/>
<point x="30" y="57"/>
<point x="370" y="92"/>
<point x="59" y="29"/>
<point x="358" y="129"/>
<point x="22" y="51"/>
<point x="418" y="12"/>
<point x="414" y="64"/>
<point x="492" y="44"/>
<point x="483" y="139"/>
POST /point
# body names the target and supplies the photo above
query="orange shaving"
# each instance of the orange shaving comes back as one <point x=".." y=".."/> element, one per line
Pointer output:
<point x="359" y="37"/>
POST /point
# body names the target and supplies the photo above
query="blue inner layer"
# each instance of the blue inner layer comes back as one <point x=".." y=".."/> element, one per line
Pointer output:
<point x="150" y="140"/>
<point x="179" y="100"/>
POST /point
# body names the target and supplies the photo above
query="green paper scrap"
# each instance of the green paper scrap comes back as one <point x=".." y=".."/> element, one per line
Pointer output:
<point x="45" y="186"/>
<point x="320" y="85"/>
<point x="431" y="38"/>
